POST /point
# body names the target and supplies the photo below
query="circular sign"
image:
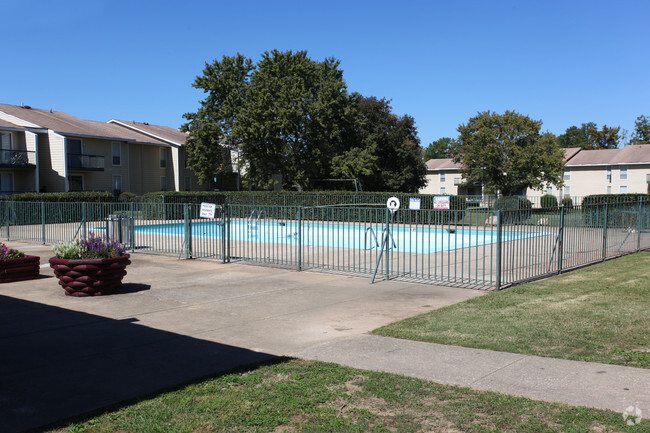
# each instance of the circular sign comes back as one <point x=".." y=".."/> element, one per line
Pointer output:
<point x="392" y="204"/>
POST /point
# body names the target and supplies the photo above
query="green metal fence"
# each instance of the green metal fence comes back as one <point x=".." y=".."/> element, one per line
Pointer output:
<point x="470" y="247"/>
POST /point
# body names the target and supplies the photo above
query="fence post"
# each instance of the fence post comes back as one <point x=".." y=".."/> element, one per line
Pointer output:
<point x="223" y="233"/>
<point x="560" y="242"/>
<point x="43" y="221"/>
<point x="638" y="227"/>
<point x="188" y="231"/>
<point x="499" y="230"/>
<point x="605" y="233"/>
<point x="132" y="226"/>
<point x="300" y="239"/>
<point x="7" y="212"/>
<point x="83" y="220"/>
<point x="385" y="241"/>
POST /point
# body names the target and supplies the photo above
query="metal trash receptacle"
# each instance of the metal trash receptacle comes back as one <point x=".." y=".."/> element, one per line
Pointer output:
<point x="119" y="227"/>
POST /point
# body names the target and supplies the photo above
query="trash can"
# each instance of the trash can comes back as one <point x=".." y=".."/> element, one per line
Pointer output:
<point x="119" y="227"/>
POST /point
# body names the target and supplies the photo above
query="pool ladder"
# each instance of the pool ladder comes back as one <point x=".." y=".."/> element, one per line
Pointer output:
<point x="253" y="225"/>
<point x="370" y="233"/>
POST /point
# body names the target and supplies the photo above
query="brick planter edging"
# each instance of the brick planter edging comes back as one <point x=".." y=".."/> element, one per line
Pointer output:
<point x="19" y="269"/>
<point x="90" y="277"/>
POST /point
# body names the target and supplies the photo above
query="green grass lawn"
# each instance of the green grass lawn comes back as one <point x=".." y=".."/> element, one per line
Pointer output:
<point x="599" y="313"/>
<point x="309" y="396"/>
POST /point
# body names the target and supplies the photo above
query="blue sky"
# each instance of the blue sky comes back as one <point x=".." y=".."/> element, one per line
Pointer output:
<point x="562" y="62"/>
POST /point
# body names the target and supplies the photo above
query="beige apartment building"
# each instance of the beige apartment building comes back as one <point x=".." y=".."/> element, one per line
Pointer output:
<point x="52" y="151"/>
<point x="587" y="172"/>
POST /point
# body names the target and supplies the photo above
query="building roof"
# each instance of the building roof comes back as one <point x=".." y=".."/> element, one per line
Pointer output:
<point x="5" y="124"/>
<point x="570" y="152"/>
<point x="630" y="154"/>
<point x="66" y="124"/>
<point x="443" y="164"/>
<point x="164" y="133"/>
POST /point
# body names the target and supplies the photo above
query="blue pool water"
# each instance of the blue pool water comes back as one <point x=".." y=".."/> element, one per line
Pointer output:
<point x="359" y="236"/>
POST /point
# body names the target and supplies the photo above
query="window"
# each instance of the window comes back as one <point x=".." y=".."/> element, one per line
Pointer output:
<point x="549" y="190"/>
<point x="443" y="177"/>
<point x="163" y="183"/>
<point x="609" y="174"/>
<point x="117" y="184"/>
<point x="623" y="172"/>
<point x="6" y="183"/>
<point x="117" y="152"/>
<point x="5" y="145"/>
<point x="567" y="174"/>
<point x="188" y="183"/>
<point x="442" y="190"/>
<point x="609" y="189"/>
<point x="75" y="182"/>
<point x="622" y="189"/>
<point x="566" y="191"/>
<point x="163" y="157"/>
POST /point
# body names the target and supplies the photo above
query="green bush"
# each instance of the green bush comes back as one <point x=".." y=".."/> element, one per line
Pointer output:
<point x="567" y="202"/>
<point x="619" y="208"/>
<point x="515" y="210"/>
<point x="549" y="201"/>
<point x="63" y="197"/>
<point x="127" y="197"/>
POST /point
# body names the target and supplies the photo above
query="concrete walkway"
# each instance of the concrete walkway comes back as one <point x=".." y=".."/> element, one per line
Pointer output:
<point x="176" y="321"/>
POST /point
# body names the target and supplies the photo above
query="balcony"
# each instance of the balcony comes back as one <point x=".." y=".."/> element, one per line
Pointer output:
<point x="80" y="162"/>
<point x="16" y="159"/>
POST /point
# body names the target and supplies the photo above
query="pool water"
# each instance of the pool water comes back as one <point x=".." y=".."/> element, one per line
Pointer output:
<point x="356" y="236"/>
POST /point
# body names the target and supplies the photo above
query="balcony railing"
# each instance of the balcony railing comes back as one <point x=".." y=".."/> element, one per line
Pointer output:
<point x="11" y="158"/>
<point x="85" y="162"/>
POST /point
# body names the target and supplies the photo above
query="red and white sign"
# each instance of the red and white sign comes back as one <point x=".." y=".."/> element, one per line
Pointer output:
<point x="441" y="202"/>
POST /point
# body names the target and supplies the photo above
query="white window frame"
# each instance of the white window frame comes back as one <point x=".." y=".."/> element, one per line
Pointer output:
<point x="622" y="189"/>
<point x="116" y="145"/>
<point x="566" y="191"/>
<point x="549" y="189"/>
<point x="163" y="183"/>
<point x="443" y="176"/>
<point x="622" y="172"/>
<point x="163" y="157"/>
<point x="609" y="189"/>
<point x="116" y="176"/>
<point x="83" y="181"/>
<point x="188" y="183"/>
<point x="443" y="190"/>
<point x="609" y="174"/>
<point x="567" y="174"/>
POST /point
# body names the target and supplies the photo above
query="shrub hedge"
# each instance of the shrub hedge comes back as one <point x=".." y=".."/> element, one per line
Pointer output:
<point x="63" y="197"/>
<point x="621" y="209"/>
<point x="548" y="201"/>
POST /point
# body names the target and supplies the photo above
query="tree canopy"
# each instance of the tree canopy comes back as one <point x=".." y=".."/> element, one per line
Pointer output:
<point x="641" y="134"/>
<point x="507" y="153"/>
<point x="293" y="116"/>
<point x="440" y="148"/>
<point x="589" y="137"/>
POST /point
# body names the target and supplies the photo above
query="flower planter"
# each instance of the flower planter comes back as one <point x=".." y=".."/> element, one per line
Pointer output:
<point x="90" y="277"/>
<point x="19" y="269"/>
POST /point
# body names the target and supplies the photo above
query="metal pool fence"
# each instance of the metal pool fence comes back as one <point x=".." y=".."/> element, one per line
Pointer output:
<point x="470" y="248"/>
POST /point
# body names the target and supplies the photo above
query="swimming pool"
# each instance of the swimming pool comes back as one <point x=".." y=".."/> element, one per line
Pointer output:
<point x="421" y="239"/>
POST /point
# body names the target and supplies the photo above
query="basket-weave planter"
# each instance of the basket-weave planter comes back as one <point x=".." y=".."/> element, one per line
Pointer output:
<point x="19" y="269"/>
<point x="90" y="277"/>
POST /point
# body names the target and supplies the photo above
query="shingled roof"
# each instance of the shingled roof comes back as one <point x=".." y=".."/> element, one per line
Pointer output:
<point x="631" y="154"/>
<point x="66" y="124"/>
<point x="165" y="133"/>
<point x="443" y="164"/>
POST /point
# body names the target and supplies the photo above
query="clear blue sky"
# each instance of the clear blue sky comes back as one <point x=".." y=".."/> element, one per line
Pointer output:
<point x="564" y="62"/>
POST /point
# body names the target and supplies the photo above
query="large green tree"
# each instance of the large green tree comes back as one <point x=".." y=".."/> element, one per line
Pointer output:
<point x="440" y="148"/>
<point x="641" y="134"/>
<point x="226" y="83"/>
<point x="383" y="148"/>
<point x="294" y="118"/>
<point x="589" y="137"/>
<point x="507" y="154"/>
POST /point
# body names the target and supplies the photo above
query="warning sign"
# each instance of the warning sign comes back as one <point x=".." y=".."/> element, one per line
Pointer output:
<point x="441" y="202"/>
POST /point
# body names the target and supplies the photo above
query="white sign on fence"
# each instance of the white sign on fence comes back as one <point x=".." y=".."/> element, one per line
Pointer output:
<point x="441" y="202"/>
<point x="414" y="203"/>
<point x="207" y="210"/>
<point x="392" y="204"/>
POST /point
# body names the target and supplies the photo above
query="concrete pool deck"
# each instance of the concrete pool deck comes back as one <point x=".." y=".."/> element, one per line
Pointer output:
<point x="176" y="321"/>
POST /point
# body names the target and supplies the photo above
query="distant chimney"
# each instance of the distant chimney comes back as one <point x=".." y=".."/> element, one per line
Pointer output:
<point x="27" y="107"/>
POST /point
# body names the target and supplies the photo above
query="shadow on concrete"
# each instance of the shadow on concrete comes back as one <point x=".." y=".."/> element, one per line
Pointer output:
<point x="132" y="288"/>
<point x="56" y="363"/>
